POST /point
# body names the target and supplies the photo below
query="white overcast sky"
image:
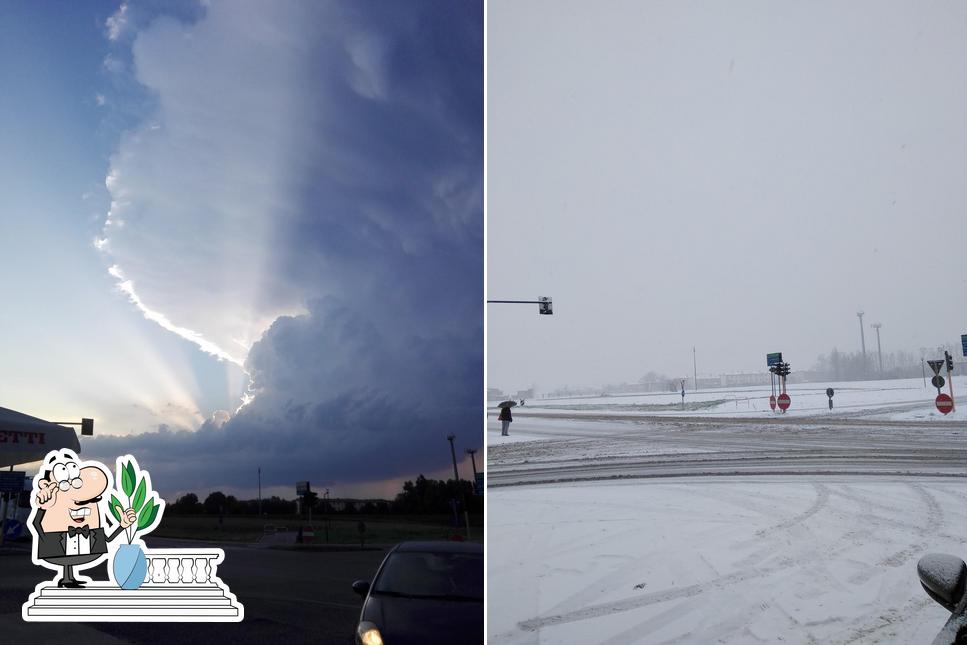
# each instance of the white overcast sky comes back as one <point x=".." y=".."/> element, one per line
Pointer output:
<point x="741" y="177"/>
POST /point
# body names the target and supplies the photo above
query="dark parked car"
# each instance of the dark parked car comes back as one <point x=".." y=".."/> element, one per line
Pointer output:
<point x="424" y="593"/>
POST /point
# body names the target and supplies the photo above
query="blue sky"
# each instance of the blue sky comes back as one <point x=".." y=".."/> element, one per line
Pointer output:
<point x="280" y="203"/>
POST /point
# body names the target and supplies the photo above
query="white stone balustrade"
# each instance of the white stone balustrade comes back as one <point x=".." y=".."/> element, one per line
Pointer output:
<point x="182" y="566"/>
<point x="180" y="585"/>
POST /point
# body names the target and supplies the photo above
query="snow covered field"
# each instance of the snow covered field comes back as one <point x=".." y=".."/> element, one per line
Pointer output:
<point x="610" y="524"/>
<point x="754" y="560"/>
<point x="893" y="399"/>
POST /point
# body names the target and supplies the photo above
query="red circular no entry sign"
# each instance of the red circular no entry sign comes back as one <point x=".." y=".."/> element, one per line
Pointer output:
<point x="944" y="403"/>
<point x="772" y="401"/>
<point x="783" y="401"/>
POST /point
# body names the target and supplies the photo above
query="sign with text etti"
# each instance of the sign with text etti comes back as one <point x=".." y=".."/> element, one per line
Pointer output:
<point x="773" y="359"/>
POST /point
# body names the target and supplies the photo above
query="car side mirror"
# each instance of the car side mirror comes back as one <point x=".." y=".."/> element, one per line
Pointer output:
<point x="943" y="578"/>
<point x="361" y="587"/>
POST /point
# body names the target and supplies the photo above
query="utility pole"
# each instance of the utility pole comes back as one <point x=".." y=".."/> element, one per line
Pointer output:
<point x="859" y="314"/>
<point x="456" y="477"/>
<point x="325" y="510"/>
<point x="694" y="369"/>
<point x="260" y="491"/>
<point x="473" y="462"/>
<point x="879" y="352"/>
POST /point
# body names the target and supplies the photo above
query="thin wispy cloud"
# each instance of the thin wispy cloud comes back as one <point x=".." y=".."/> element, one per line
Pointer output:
<point x="117" y="22"/>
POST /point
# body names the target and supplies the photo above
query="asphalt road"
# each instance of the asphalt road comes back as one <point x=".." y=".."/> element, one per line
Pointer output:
<point x="290" y="597"/>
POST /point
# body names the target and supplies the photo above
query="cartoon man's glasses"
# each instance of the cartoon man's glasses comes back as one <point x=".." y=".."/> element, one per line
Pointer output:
<point x="67" y="476"/>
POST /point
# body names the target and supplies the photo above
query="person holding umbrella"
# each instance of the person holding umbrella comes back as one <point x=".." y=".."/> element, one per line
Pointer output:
<point x="505" y="417"/>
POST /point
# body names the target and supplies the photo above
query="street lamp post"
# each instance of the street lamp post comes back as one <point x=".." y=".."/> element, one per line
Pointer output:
<point x="859" y="314"/>
<point x="456" y="477"/>
<point x="325" y="521"/>
<point x="473" y="462"/>
<point x="879" y="352"/>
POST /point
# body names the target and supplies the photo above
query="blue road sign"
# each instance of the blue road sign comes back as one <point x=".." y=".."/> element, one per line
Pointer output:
<point x="12" y="482"/>
<point x="963" y="341"/>
<point x="773" y="359"/>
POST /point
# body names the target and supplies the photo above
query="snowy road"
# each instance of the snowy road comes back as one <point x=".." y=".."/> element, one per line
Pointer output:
<point x="732" y="530"/>
<point x="561" y="450"/>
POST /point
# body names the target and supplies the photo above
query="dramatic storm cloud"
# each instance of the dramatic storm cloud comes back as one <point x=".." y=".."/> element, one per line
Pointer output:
<point x="305" y="198"/>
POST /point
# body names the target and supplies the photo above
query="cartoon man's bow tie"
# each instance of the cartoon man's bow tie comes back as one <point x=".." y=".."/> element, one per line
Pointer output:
<point x="84" y="530"/>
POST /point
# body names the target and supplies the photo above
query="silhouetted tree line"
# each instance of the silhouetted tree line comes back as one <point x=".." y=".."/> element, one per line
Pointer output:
<point x="424" y="496"/>
<point x="433" y="496"/>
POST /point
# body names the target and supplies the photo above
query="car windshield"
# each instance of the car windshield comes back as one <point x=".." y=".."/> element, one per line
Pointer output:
<point x="439" y="575"/>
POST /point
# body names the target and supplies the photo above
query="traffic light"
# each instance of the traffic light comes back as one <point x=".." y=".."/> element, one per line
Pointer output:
<point x="545" y="306"/>
<point x="950" y="361"/>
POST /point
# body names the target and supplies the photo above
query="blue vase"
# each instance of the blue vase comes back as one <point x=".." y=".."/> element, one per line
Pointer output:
<point x="130" y="566"/>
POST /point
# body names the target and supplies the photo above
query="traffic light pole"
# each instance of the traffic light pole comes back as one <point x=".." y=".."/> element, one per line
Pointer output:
<point x="546" y="305"/>
<point x="950" y="380"/>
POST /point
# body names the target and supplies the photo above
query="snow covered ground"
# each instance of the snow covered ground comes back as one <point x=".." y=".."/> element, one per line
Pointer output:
<point x="616" y="524"/>
<point x="891" y="399"/>
<point x="751" y="560"/>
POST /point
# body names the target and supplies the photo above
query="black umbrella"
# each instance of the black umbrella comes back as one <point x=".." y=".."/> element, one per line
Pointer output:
<point x="506" y="404"/>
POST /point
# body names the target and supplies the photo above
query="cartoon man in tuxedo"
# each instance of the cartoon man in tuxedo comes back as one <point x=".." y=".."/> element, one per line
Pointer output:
<point x="66" y="519"/>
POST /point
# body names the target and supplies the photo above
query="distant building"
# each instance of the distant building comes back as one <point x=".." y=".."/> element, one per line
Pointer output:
<point x="745" y="379"/>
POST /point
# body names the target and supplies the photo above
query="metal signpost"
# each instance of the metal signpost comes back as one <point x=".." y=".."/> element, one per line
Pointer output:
<point x="772" y="360"/>
<point x="781" y="371"/>
<point x="302" y="489"/>
<point x="829" y="393"/>
<point x="945" y="403"/>
<point x="775" y="365"/>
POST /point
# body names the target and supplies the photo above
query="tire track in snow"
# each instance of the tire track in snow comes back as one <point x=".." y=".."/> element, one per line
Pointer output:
<point x="886" y="620"/>
<point x="822" y="499"/>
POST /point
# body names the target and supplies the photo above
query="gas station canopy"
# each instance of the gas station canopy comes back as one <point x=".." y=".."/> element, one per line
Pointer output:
<point x="24" y="438"/>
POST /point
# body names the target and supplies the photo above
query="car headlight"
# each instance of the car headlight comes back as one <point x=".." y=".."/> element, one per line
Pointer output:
<point x="368" y="634"/>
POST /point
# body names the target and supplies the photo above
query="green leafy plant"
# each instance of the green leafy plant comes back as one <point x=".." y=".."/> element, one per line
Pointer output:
<point x="143" y="501"/>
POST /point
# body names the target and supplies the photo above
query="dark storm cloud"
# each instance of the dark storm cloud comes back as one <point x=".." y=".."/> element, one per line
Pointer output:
<point x="384" y="248"/>
<point x="337" y="399"/>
